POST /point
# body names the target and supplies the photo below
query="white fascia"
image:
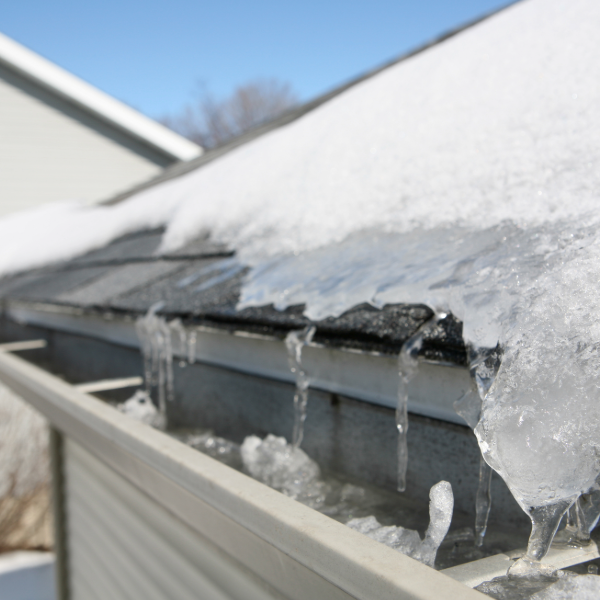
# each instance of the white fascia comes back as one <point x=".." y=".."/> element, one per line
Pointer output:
<point x="45" y="73"/>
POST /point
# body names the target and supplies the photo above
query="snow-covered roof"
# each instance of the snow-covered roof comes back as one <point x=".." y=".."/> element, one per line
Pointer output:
<point x="62" y="83"/>
<point x="466" y="178"/>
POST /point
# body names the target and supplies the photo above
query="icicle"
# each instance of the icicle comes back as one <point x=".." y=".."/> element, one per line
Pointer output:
<point x="155" y="338"/>
<point x="484" y="365"/>
<point x="545" y="521"/>
<point x="191" y="349"/>
<point x="177" y="326"/>
<point x="483" y="501"/>
<point x="582" y="518"/>
<point x="588" y="511"/>
<point x="408" y="366"/>
<point x="295" y="341"/>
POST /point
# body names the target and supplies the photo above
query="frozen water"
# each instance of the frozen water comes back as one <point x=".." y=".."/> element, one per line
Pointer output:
<point x="584" y="514"/>
<point x="484" y="365"/>
<point x="545" y="521"/>
<point x="560" y="585"/>
<point x="141" y="408"/>
<point x="285" y="468"/>
<point x="276" y="463"/>
<point x="290" y="470"/>
<point x="156" y="344"/>
<point x="523" y="588"/>
<point x="181" y="337"/>
<point x="581" y="587"/>
<point x="295" y="341"/>
<point x="441" y="506"/>
<point x="408" y="541"/>
<point x="498" y="124"/>
<point x="466" y="178"/>
<point x="408" y="366"/>
<point x="191" y="349"/>
<point x="217" y="447"/>
<point x="483" y="501"/>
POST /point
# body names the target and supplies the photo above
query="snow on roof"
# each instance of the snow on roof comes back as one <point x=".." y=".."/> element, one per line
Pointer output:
<point x="43" y="72"/>
<point x="497" y="122"/>
<point x="465" y="177"/>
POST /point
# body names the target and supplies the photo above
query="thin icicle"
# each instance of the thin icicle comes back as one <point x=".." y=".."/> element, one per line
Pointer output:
<point x="178" y="328"/>
<point x="484" y="365"/>
<point x="408" y="366"/>
<point x="582" y="518"/>
<point x="191" y="348"/>
<point x="483" y="501"/>
<point x="295" y="341"/>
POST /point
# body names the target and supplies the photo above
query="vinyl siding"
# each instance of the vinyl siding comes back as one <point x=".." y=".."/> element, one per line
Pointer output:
<point x="122" y="545"/>
<point x="51" y="150"/>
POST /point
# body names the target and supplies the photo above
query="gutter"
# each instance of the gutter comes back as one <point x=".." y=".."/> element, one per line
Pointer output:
<point x="367" y="376"/>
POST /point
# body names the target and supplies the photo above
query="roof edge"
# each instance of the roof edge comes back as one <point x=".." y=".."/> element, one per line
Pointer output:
<point x="56" y="79"/>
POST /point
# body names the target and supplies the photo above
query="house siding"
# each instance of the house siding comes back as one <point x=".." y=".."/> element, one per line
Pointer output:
<point x="52" y="150"/>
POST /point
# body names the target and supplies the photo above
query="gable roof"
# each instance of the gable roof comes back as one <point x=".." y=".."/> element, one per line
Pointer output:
<point x="44" y="73"/>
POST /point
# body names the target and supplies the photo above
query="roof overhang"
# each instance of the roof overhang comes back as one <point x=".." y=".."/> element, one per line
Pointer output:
<point x="62" y="83"/>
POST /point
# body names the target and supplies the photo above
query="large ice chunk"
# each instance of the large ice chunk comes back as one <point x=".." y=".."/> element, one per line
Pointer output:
<point x="141" y="408"/>
<point x="404" y="540"/>
<point x="407" y="541"/>
<point x="285" y="468"/>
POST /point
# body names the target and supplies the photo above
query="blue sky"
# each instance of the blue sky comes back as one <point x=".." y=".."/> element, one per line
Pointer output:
<point x="151" y="54"/>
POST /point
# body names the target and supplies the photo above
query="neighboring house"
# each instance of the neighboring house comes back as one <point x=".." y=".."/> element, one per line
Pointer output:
<point x="63" y="139"/>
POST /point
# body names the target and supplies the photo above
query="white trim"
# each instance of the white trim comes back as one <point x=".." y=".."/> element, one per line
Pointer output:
<point x="43" y="72"/>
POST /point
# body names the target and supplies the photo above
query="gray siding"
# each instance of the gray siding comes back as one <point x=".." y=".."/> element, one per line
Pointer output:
<point x="122" y="545"/>
<point x="51" y="150"/>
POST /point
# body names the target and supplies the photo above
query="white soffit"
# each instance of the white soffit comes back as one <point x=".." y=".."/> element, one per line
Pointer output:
<point x="45" y="73"/>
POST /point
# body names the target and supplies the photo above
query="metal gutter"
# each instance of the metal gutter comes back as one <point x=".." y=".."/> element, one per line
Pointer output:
<point x="59" y="81"/>
<point x="485" y="569"/>
<point x="287" y="544"/>
<point x="367" y="376"/>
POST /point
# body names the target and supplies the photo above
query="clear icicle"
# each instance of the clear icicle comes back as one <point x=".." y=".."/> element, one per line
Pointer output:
<point x="408" y="365"/>
<point x="545" y="521"/>
<point x="483" y="501"/>
<point x="582" y="517"/>
<point x="484" y="365"/>
<point x="191" y="348"/>
<point x="177" y="326"/>
<point x="295" y="341"/>
<point x="155" y="339"/>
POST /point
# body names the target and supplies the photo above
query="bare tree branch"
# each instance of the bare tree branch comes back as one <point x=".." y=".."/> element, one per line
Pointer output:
<point x="211" y="122"/>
